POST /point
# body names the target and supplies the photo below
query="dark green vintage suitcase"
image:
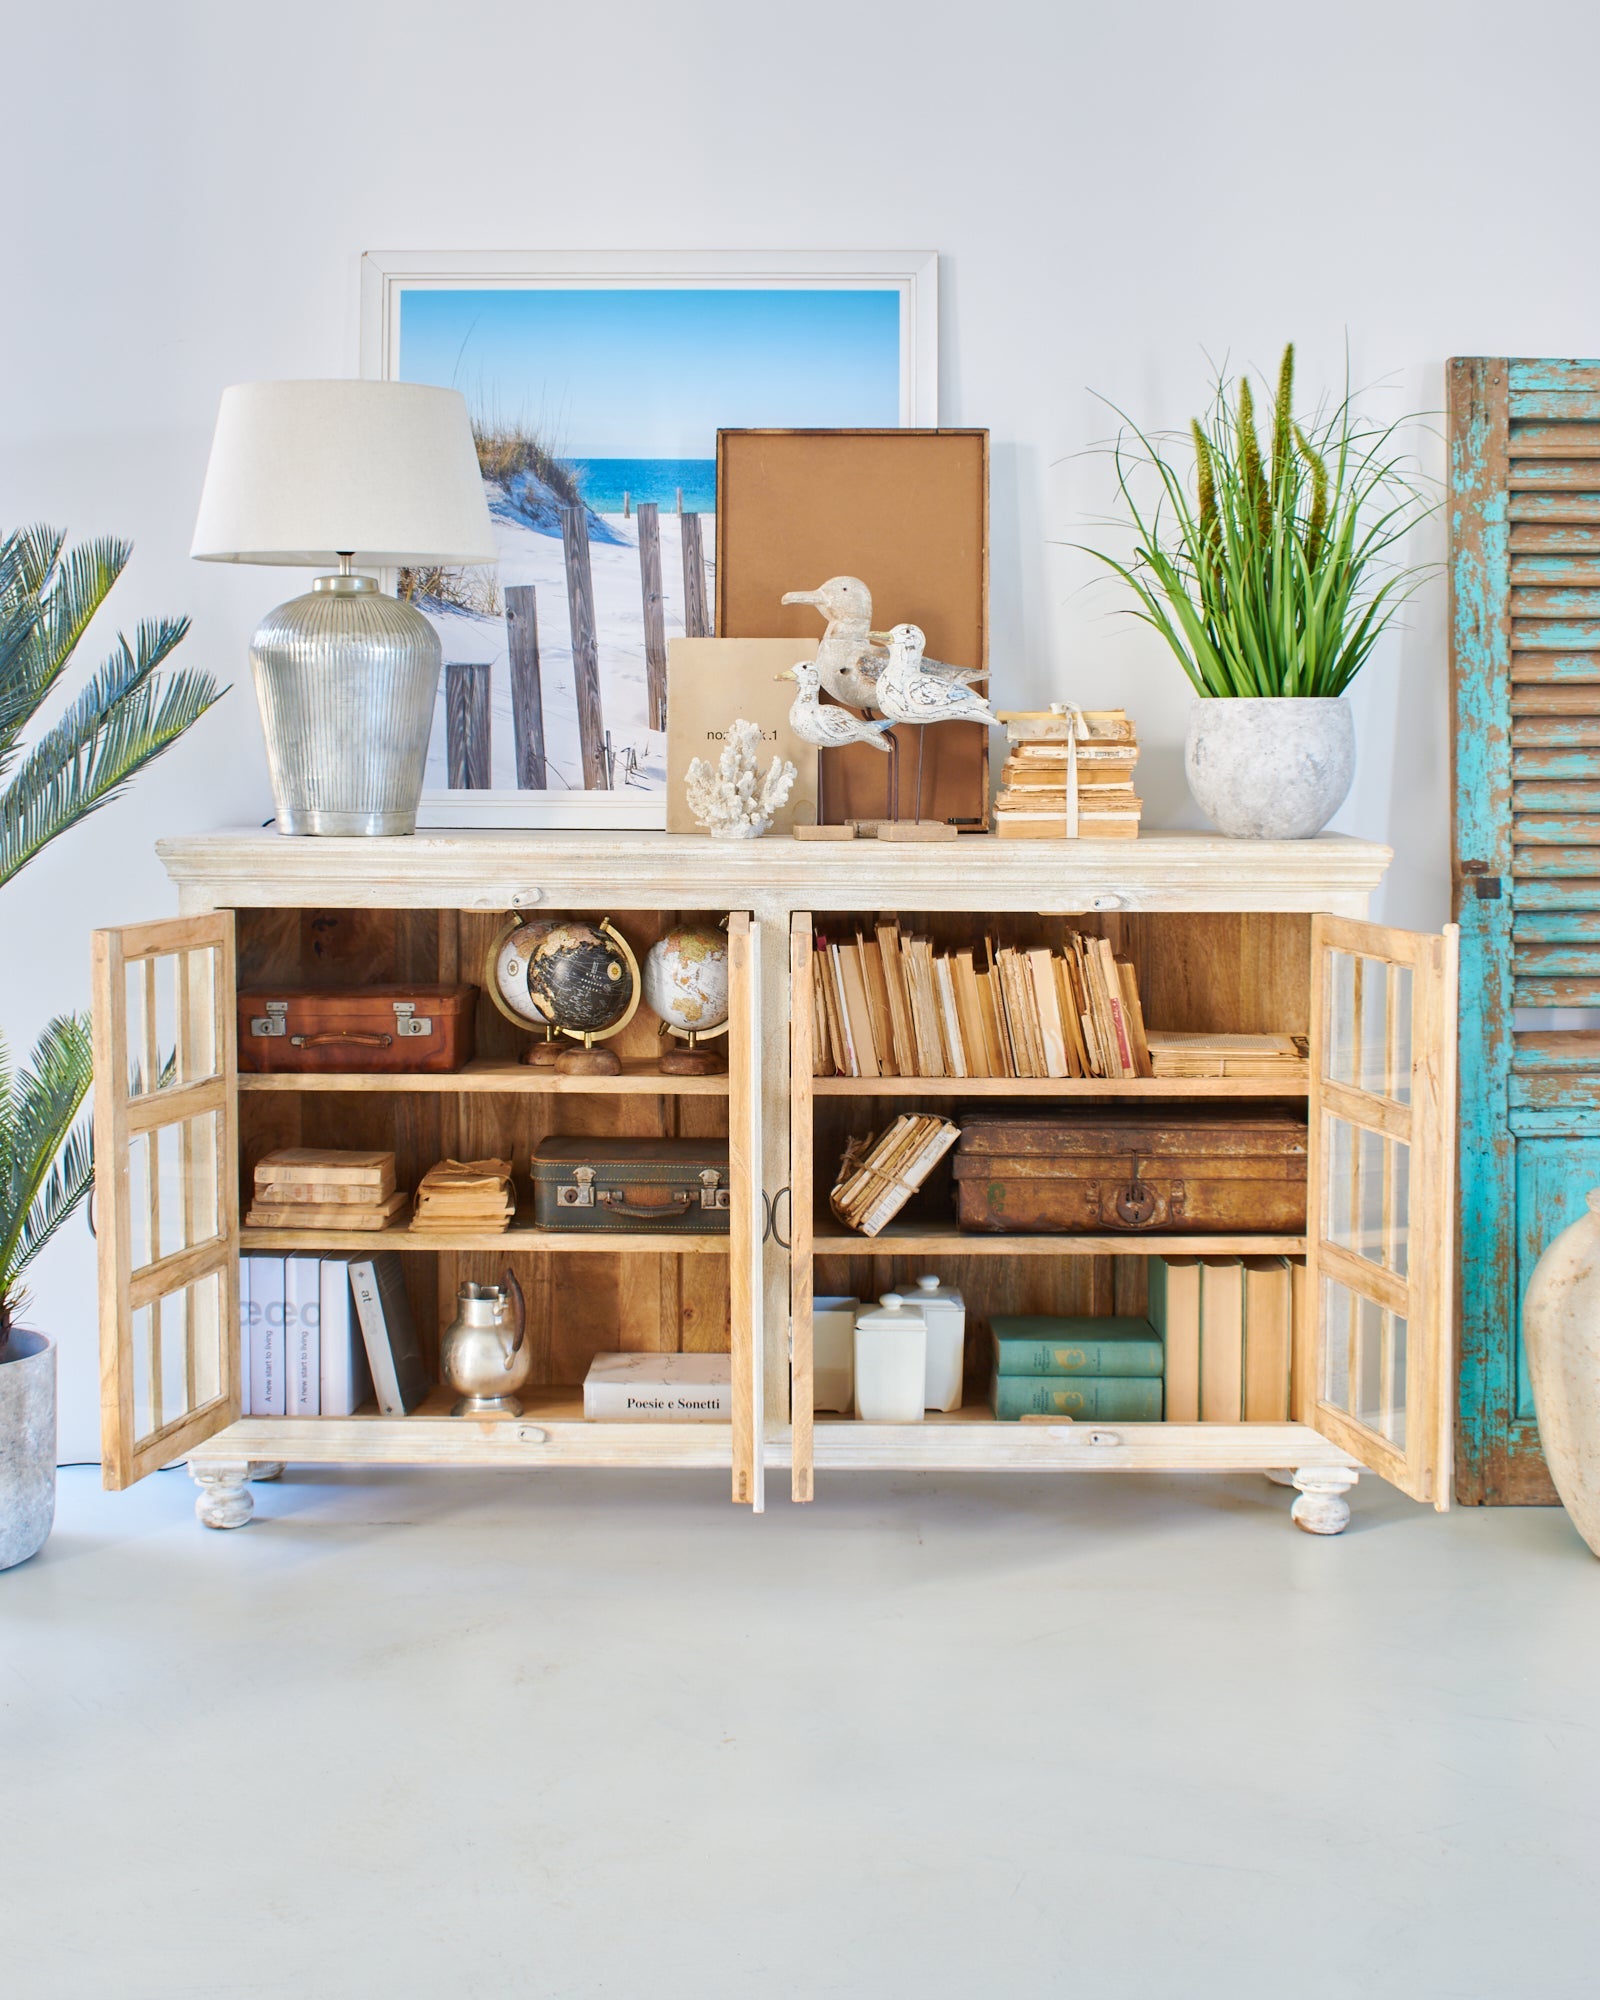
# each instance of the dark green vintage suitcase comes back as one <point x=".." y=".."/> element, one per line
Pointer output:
<point x="676" y="1186"/>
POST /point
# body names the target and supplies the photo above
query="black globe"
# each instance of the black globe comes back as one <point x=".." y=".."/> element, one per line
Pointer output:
<point x="579" y="980"/>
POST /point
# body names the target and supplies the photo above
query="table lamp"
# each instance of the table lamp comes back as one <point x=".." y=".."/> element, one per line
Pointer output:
<point x="321" y="475"/>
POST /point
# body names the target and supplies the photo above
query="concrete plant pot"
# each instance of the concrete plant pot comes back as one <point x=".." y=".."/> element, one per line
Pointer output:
<point x="27" y="1445"/>
<point x="1271" y="767"/>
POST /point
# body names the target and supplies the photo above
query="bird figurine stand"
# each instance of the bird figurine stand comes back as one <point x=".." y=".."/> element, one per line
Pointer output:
<point x="851" y="667"/>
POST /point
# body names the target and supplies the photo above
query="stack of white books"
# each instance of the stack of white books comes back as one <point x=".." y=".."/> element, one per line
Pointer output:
<point x="302" y="1353"/>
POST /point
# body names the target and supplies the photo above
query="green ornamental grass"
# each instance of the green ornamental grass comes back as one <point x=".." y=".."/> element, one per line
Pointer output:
<point x="1271" y="575"/>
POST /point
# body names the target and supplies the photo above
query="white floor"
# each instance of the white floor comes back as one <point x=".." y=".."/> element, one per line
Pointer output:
<point x="478" y="1736"/>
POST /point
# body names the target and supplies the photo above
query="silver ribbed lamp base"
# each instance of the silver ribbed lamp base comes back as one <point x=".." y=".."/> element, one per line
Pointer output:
<point x="347" y="679"/>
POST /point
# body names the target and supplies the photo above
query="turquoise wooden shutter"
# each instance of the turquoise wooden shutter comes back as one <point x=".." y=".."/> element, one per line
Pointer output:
<point x="1525" y="655"/>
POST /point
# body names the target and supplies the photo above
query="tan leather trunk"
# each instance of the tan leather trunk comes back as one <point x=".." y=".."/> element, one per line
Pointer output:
<point x="1219" y="1173"/>
<point x="358" y="1029"/>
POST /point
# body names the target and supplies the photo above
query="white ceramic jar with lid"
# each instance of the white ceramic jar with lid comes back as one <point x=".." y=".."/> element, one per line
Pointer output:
<point x="891" y="1362"/>
<point x="945" y="1314"/>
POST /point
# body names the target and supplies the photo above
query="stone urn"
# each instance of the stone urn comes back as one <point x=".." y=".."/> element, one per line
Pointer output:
<point x="27" y="1445"/>
<point x="1270" y="767"/>
<point x="1561" y="1330"/>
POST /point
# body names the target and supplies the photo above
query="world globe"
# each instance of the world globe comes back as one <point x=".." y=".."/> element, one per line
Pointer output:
<point x="686" y="979"/>
<point x="579" y="979"/>
<point x="510" y="970"/>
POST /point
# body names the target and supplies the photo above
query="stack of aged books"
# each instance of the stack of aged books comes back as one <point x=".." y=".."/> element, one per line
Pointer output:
<point x="465" y="1194"/>
<point x="878" y="1177"/>
<point x="1068" y="774"/>
<point x="312" y="1187"/>
<point x="1227" y="1329"/>
<point x="1045" y="1365"/>
<point x="891" y="1006"/>
<point x="1229" y="1055"/>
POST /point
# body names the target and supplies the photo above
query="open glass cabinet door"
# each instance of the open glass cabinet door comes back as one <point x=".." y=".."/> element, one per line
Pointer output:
<point x="166" y="1190"/>
<point x="746" y="1232"/>
<point x="1380" y="1225"/>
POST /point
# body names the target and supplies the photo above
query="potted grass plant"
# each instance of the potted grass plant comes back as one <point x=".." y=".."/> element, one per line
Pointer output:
<point x="1271" y="574"/>
<point x="126" y="716"/>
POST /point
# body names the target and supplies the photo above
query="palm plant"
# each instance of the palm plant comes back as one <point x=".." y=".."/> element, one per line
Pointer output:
<point x="127" y="715"/>
<point x="1274" y="577"/>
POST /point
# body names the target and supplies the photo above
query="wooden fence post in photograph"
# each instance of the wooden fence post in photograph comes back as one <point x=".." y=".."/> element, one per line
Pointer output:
<point x="585" y="649"/>
<point x="527" y="696"/>
<point x="466" y="722"/>
<point x="696" y="618"/>
<point x="655" y="623"/>
<point x="627" y="502"/>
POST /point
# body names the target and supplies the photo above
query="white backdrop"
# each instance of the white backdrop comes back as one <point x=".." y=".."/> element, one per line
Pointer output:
<point x="1115" y="192"/>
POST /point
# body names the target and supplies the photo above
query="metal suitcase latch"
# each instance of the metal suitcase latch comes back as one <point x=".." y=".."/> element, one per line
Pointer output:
<point x="407" y="1021"/>
<point x="275" y="1021"/>
<point x="712" y="1193"/>
<point x="579" y="1192"/>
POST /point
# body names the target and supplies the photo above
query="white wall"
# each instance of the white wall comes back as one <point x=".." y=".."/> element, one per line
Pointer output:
<point x="1115" y="191"/>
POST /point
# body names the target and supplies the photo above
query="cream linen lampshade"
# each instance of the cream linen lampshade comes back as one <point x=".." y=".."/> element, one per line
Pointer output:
<point x="304" y="472"/>
<point x="355" y="474"/>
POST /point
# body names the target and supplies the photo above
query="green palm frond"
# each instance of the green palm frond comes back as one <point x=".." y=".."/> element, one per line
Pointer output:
<point x="127" y="715"/>
<point x="45" y="1167"/>
<point x="1282" y="578"/>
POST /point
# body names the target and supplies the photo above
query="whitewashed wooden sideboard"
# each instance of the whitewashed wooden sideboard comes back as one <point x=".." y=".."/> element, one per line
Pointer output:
<point x="1226" y="935"/>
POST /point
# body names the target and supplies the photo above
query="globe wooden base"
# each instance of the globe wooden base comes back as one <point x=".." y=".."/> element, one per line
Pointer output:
<point x="588" y="1062"/>
<point x="542" y="1055"/>
<point x="698" y="1061"/>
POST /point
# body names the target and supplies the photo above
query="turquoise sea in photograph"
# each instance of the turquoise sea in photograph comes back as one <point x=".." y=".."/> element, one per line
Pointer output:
<point x="606" y="480"/>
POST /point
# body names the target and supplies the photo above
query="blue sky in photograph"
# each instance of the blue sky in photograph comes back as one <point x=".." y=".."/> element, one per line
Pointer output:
<point x="654" y="372"/>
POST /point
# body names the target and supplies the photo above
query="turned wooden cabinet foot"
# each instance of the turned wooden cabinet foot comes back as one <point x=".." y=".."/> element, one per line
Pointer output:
<point x="266" y="1468"/>
<point x="224" y="1499"/>
<point x="1280" y="1475"/>
<point x="1322" y="1508"/>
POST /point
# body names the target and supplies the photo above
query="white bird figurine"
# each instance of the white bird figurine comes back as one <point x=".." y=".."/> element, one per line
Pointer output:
<point x="847" y="660"/>
<point x="830" y="728"/>
<point x="851" y="655"/>
<point x="905" y="693"/>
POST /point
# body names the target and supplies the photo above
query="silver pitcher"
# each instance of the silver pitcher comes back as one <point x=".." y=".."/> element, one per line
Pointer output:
<point x="475" y="1357"/>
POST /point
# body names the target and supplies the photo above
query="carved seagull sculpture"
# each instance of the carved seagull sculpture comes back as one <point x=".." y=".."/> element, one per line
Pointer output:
<point x="851" y="655"/>
<point x="905" y="693"/>
<point x="831" y="727"/>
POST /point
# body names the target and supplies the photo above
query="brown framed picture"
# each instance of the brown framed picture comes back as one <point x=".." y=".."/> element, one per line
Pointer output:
<point x="907" y="511"/>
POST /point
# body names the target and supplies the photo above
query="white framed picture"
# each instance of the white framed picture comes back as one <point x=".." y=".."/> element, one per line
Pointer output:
<point x="597" y="382"/>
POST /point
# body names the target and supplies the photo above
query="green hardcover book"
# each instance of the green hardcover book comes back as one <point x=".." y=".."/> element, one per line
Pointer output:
<point x="1047" y="1344"/>
<point x="1085" y="1398"/>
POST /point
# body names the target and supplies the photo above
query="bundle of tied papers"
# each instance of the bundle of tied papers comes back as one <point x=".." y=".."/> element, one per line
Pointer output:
<point x="1068" y="775"/>
<point x="465" y="1194"/>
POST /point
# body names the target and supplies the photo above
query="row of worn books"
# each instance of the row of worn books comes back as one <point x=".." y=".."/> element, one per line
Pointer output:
<point x="890" y="1005"/>
<point x="1217" y="1348"/>
<point x="319" y="1336"/>
<point x="1068" y="775"/>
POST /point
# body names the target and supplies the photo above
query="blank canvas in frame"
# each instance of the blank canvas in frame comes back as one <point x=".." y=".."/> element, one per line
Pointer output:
<point x="598" y="383"/>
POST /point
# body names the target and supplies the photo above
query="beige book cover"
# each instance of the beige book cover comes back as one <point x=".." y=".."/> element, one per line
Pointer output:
<point x="712" y="683"/>
<point x="902" y="1034"/>
<point x="1221" y="1340"/>
<point x="878" y="1004"/>
<point x="1047" y="1006"/>
<point x="1175" y="1314"/>
<point x="970" y="1012"/>
<point x="1267" y="1322"/>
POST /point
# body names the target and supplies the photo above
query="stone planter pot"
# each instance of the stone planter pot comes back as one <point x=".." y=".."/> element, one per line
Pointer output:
<point x="1561" y="1328"/>
<point x="27" y="1445"/>
<point x="1273" y="767"/>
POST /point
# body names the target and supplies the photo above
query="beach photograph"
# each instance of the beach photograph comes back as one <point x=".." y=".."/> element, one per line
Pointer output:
<point x="595" y="409"/>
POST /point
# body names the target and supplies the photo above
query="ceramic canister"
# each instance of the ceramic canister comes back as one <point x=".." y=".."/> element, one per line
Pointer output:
<point x="945" y="1312"/>
<point x="891" y="1362"/>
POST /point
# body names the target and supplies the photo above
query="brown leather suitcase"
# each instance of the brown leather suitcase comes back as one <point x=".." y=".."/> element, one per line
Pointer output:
<point x="358" y="1028"/>
<point x="1214" y="1172"/>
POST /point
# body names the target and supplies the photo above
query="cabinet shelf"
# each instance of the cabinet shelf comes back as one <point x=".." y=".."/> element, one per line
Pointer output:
<point x="1059" y="1086"/>
<point x="915" y="1240"/>
<point x="639" y="1078"/>
<point x="520" y="1237"/>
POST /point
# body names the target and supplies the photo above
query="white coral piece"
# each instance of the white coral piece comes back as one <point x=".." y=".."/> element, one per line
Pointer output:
<point x="733" y="801"/>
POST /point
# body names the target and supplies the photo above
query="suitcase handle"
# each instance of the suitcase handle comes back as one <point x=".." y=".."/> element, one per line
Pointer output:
<point x="649" y="1210"/>
<point x="322" y="1041"/>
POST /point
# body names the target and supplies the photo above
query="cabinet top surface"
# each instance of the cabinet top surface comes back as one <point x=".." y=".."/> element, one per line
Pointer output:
<point x="520" y="869"/>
